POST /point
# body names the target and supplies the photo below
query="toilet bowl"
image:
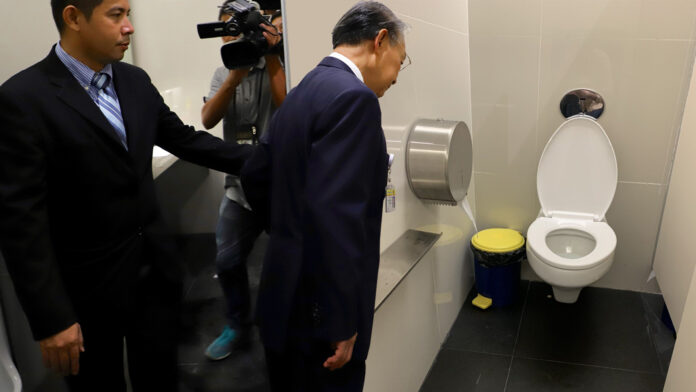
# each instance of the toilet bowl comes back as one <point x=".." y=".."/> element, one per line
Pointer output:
<point x="570" y="245"/>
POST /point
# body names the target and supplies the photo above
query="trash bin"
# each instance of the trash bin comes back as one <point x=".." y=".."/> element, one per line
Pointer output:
<point x="498" y="254"/>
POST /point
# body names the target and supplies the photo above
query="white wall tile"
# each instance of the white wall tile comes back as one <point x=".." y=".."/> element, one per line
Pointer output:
<point x="661" y="19"/>
<point x="410" y="211"/>
<point x="570" y="63"/>
<point x="505" y="68"/>
<point x="641" y="82"/>
<point x="447" y="14"/>
<point x="604" y="19"/>
<point x="527" y="273"/>
<point x="26" y="35"/>
<point x="505" y="17"/>
<point x="305" y="38"/>
<point x="308" y="32"/>
<point x="405" y="338"/>
<point x="442" y="83"/>
<point x="400" y="103"/>
<point x="505" y="87"/>
<point x="177" y="59"/>
<point x="453" y="275"/>
<point x="505" y="201"/>
<point x="635" y="217"/>
<point x="180" y="62"/>
<point x="644" y="129"/>
<point x="505" y="140"/>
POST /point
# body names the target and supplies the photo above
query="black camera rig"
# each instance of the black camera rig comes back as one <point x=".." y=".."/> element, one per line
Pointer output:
<point x="246" y="20"/>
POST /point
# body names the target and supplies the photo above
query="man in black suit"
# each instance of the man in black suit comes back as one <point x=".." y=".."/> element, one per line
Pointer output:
<point x="319" y="178"/>
<point x="79" y="226"/>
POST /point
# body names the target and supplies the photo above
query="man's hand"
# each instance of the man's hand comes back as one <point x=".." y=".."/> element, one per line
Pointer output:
<point x="234" y="78"/>
<point x="343" y="353"/>
<point x="61" y="352"/>
<point x="271" y="34"/>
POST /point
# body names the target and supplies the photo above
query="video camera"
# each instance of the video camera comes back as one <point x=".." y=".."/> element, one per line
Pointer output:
<point x="245" y="19"/>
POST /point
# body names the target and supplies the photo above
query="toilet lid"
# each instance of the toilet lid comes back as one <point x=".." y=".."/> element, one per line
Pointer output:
<point x="577" y="171"/>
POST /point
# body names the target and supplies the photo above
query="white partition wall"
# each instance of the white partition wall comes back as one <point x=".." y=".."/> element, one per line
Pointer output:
<point x="674" y="258"/>
<point x="681" y="376"/>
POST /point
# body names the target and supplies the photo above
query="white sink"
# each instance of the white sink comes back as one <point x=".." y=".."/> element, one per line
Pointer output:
<point x="161" y="161"/>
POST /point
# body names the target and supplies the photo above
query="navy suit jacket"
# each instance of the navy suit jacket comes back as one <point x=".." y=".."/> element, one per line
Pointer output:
<point x="78" y="213"/>
<point x="319" y="179"/>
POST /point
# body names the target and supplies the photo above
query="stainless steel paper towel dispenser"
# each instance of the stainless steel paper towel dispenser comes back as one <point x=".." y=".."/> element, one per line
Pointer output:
<point x="439" y="160"/>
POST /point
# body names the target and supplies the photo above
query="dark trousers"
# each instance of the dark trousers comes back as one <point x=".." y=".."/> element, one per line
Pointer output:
<point x="301" y="370"/>
<point x="237" y="230"/>
<point x="150" y="326"/>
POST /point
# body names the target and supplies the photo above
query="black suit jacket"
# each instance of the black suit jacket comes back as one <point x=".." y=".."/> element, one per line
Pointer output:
<point x="319" y="180"/>
<point x="78" y="215"/>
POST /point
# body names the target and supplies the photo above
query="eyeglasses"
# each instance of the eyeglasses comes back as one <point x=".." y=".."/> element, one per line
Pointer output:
<point x="407" y="62"/>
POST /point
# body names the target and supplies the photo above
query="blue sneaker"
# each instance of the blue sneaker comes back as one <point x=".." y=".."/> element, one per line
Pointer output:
<point x="221" y="347"/>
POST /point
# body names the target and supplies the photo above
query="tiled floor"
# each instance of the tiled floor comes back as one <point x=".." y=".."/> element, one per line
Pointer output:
<point x="609" y="340"/>
<point x="204" y="318"/>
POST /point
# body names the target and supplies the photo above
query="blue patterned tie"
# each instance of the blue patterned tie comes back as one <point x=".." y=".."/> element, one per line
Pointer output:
<point x="109" y="105"/>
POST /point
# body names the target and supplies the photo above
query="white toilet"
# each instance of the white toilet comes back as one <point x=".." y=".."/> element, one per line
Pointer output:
<point x="570" y="245"/>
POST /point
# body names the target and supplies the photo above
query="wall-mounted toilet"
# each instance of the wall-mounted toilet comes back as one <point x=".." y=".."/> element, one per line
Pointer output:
<point x="570" y="245"/>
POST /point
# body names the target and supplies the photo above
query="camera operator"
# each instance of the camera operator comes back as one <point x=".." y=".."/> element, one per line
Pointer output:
<point x="245" y="99"/>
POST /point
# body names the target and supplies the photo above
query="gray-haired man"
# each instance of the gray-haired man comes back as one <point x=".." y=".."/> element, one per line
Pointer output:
<point x="319" y="179"/>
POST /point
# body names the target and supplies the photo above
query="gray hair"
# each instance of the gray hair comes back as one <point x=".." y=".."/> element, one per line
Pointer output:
<point x="364" y="21"/>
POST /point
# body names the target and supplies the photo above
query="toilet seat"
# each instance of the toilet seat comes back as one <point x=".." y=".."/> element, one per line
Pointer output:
<point x="577" y="172"/>
<point x="601" y="232"/>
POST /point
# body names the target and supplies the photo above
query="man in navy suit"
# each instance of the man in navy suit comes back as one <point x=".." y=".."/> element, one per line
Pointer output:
<point x="80" y="229"/>
<point x="319" y="178"/>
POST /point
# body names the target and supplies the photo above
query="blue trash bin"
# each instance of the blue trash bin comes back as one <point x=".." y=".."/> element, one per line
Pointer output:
<point x="498" y="255"/>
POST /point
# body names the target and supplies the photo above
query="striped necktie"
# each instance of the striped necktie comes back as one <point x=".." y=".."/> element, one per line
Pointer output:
<point x="109" y="105"/>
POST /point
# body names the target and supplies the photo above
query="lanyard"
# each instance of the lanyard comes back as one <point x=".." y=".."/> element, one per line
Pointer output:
<point x="390" y="191"/>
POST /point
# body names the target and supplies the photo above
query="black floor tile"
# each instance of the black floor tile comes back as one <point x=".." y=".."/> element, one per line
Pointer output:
<point x="202" y="322"/>
<point x="663" y="337"/>
<point x="460" y="371"/>
<point x="203" y="317"/>
<point x="604" y="328"/>
<point x="204" y="286"/>
<point x="237" y="373"/>
<point x="492" y="331"/>
<point x="528" y="375"/>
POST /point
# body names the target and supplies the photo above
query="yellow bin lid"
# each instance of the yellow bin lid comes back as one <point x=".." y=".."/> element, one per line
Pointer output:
<point x="497" y="240"/>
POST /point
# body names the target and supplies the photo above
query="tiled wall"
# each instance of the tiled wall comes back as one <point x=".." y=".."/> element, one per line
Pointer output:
<point x="181" y="65"/>
<point x="526" y="55"/>
<point x="435" y="85"/>
<point x="27" y="33"/>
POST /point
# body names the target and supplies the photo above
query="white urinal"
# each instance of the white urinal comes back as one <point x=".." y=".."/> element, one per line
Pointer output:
<point x="9" y="377"/>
